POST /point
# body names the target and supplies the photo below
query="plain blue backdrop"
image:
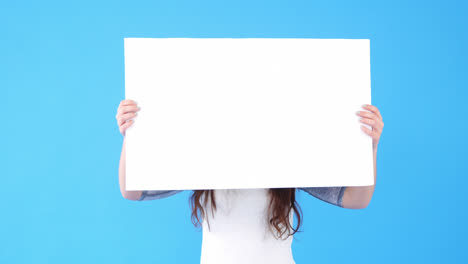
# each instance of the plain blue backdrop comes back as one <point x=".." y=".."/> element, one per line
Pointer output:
<point x="62" y="71"/>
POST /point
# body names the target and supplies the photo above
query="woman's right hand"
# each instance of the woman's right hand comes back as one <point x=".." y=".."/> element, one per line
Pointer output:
<point x="125" y="114"/>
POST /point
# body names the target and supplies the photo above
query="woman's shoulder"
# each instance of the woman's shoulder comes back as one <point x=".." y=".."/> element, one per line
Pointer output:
<point x="332" y="195"/>
<point x="157" y="194"/>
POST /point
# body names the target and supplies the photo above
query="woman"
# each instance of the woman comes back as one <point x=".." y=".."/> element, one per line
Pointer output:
<point x="253" y="225"/>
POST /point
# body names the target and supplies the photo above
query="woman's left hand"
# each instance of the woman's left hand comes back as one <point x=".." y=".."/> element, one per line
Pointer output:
<point x="373" y="119"/>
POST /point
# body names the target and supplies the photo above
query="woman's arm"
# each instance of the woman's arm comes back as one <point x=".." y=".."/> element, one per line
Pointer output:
<point x="359" y="197"/>
<point x="126" y="112"/>
<point x="139" y="195"/>
<point x="131" y="195"/>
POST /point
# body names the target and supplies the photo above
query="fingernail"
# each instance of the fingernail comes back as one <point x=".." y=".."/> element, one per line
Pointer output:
<point x="364" y="105"/>
<point x="358" y="112"/>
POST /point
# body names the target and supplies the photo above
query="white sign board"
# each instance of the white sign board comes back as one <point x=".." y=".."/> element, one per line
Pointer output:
<point x="247" y="113"/>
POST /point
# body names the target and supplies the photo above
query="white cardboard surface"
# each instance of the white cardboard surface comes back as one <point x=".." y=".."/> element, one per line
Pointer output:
<point x="247" y="113"/>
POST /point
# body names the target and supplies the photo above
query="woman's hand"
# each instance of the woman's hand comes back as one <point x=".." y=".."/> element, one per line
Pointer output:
<point x="373" y="119"/>
<point x="125" y="114"/>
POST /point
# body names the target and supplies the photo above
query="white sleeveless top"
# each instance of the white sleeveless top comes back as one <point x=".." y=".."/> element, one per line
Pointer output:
<point x="239" y="230"/>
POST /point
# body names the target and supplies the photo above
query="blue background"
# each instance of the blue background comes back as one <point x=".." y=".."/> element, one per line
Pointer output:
<point x="62" y="71"/>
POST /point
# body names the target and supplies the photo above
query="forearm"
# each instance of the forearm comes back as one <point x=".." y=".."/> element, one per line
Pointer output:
<point x="131" y="195"/>
<point x="358" y="197"/>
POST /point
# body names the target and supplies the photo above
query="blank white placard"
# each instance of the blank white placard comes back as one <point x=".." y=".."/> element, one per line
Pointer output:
<point x="247" y="113"/>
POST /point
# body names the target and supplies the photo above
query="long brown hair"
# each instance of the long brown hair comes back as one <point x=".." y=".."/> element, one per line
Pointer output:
<point x="282" y="201"/>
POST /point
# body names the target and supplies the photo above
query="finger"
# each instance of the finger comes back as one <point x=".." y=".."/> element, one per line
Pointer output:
<point x="127" y="102"/>
<point x="373" y="109"/>
<point x="128" y="108"/>
<point x="124" y="127"/>
<point x="369" y="132"/>
<point x="125" y="117"/>
<point x="367" y="114"/>
<point x="375" y="124"/>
